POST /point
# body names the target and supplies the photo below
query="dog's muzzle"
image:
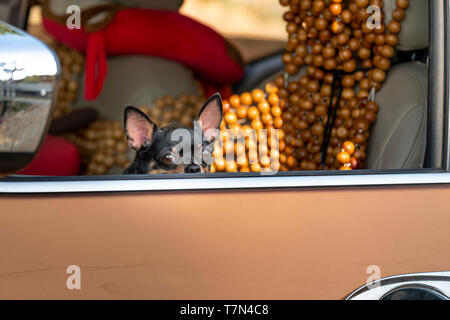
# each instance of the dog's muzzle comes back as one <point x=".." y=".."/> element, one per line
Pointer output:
<point x="193" y="168"/>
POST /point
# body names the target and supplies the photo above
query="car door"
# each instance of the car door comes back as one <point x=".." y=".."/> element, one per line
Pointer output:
<point x="317" y="237"/>
<point x="241" y="236"/>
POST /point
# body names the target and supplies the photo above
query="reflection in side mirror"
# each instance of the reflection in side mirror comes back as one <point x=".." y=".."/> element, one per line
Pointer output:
<point x="28" y="76"/>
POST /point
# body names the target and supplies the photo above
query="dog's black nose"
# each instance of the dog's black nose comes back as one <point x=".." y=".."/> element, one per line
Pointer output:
<point x="192" y="168"/>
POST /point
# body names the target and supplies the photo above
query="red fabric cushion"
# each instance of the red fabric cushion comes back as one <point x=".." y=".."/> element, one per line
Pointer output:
<point x="57" y="157"/>
<point x="158" y="33"/>
<point x="210" y="88"/>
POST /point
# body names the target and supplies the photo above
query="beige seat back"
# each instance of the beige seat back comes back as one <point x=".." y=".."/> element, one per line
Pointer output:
<point x="398" y="138"/>
<point x="138" y="80"/>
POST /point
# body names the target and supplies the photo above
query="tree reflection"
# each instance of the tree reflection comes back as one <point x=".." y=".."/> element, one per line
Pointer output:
<point x="4" y="29"/>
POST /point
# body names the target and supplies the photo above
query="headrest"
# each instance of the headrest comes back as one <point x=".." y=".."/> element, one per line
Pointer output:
<point x="151" y="4"/>
<point x="102" y="12"/>
<point x="414" y="33"/>
<point x="59" y="6"/>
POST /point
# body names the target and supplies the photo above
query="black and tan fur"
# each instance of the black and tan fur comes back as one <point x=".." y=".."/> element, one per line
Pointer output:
<point x="156" y="150"/>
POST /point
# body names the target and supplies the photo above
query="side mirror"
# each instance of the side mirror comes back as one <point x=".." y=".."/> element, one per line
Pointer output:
<point x="29" y="71"/>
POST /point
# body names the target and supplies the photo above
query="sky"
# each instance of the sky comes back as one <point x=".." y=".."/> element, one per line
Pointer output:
<point x="30" y="55"/>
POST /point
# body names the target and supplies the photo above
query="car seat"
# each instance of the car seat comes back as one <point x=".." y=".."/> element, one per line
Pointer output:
<point x="398" y="137"/>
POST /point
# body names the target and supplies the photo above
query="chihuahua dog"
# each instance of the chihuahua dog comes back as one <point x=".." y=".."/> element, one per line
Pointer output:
<point x="173" y="148"/>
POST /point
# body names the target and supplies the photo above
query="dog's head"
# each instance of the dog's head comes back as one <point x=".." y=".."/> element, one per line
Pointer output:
<point x="173" y="148"/>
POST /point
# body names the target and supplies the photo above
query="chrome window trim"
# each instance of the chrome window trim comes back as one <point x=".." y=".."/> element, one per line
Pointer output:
<point x="437" y="87"/>
<point x="438" y="95"/>
<point x="437" y="282"/>
<point x="421" y="286"/>
<point x="444" y="51"/>
<point x="133" y="184"/>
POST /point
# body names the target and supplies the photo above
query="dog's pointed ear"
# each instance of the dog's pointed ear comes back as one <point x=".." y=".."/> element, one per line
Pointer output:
<point x="210" y="117"/>
<point x="139" y="129"/>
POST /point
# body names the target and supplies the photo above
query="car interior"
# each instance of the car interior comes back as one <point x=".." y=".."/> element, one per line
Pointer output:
<point x="398" y="139"/>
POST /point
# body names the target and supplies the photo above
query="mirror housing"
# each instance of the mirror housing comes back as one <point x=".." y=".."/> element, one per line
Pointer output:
<point x="29" y="73"/>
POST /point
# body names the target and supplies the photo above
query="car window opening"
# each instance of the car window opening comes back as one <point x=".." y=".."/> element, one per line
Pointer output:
<point x="348" y="90"/>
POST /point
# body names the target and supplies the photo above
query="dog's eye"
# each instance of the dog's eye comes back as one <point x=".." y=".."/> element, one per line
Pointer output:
<point x="167" y="159"/>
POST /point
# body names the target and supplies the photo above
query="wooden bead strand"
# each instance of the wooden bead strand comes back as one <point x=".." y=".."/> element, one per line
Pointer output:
<point x="346" y="63"/>
<point x="168" y="109"/>
<point x="72" y="64"/>
<point x="241" y="146"/>
<point x="102" y="147"/>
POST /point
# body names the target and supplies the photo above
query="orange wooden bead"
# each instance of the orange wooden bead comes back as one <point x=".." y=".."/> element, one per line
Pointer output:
<point x="321" y="24"/>
<point x="328" y="52"/>
<point x="226" y="106"/>
<point x="241" y="112"/>
<point x="403" y="4"/>
<point x="337" y="27"/>
<point x="346" y="16"/>
<point x="362" y="3"/>
<point x="394" y="27"/>
<point x="348" y="147"/>
<point x="336" y="9"/>
<point x="291" y="162"/>
<point x="219" y="164"/>
<point x="378" y="75"/>
<point x="255" y="167"/>
<point x="274" y="99"/>
<point x="228" y="147"/>
<point x="239" y="149"/>
<point x="264" y="106"/>
<point x="230" y="118"/>
<point x="278" y="122"/>
<point x="231" y="166"/>
<point x="242" y="161"/>
<point x="257" y="124"/>
<point x="258" y="95"/>
<point x="253" y="113"/>
<point x="265" y="161"/>
<point x="271" y="88"/>
<point x="354" y="163"/>
<point x="246" y="98"/>
<point x="387" y="51"/>
<point x="276" y="111"/>
<point x="266" y="118"/>
<point x="391" y="39"/>
<point x="235" y="101"/>
<point x="343" y="157"/>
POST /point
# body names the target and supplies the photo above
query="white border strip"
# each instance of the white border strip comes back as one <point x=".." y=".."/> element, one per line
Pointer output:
<point x="222" y="183"/>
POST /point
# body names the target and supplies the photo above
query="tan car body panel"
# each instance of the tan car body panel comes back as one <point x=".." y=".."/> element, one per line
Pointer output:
<point x="284" y="244"/>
